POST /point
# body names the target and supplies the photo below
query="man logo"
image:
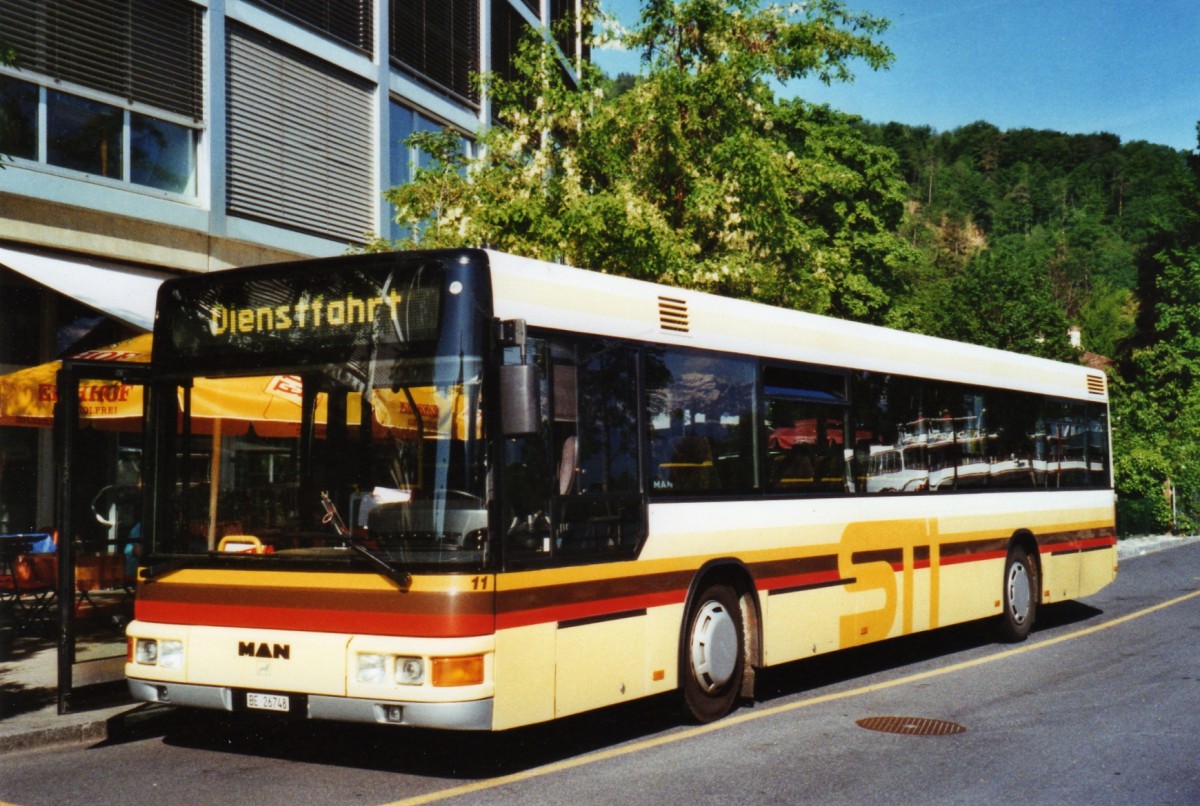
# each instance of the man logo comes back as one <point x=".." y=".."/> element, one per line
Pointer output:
<point x="251" y="649"/>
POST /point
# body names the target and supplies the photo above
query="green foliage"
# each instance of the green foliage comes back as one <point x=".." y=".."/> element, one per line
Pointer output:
<point x="694" y="174"/>
<point x="1157" y="399"/>
<point x="1108" y="318"/>
<point x="1003" y="299"/>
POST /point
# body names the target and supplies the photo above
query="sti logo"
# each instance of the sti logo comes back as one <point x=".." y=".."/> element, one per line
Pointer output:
<point x="252" y="649"/>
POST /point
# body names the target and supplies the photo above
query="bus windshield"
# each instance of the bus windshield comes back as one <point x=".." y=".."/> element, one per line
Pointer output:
<point x="317" y="447"/>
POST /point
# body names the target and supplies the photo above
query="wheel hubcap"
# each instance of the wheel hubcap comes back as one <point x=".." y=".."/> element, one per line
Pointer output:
<point x="714" y="646"/>
<point x="1019" y="593"/>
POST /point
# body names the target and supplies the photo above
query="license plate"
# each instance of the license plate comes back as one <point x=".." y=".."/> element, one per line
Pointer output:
<point x="268" y="702"/>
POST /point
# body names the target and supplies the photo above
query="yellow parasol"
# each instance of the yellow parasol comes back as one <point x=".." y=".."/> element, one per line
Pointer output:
<point x="272" y="404"/>
<point x="27" y="396"/>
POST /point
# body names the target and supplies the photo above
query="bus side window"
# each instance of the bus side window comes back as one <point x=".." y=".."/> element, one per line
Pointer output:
<point x="702" y="423"/>
<point x="806" y="444"/>
<point x="599" y="508"/>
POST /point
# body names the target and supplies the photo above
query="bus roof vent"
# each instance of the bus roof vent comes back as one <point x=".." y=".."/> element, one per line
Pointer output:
<point x="1095" y="384"/>
<point x="673" y="314"/>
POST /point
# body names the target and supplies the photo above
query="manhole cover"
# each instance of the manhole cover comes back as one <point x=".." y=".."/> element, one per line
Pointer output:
<point x="910" y="725"/>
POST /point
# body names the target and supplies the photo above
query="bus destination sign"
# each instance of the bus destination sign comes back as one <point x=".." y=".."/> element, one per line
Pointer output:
<point x="221" y="317"/>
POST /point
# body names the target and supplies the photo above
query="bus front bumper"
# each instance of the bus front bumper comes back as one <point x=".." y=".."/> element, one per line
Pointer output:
<point x="469" y="715"/>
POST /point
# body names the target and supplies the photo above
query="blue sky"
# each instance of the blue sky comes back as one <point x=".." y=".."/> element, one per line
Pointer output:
<point x="1128" y="67"/>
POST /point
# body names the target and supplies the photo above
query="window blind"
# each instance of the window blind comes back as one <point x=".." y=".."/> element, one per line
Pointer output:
<point x="437" y="40"/>
<point x="508" y="27"/>
<point x="299" y="145"/>
<point x="146" y="51"/>
<point x="346" y="20"/>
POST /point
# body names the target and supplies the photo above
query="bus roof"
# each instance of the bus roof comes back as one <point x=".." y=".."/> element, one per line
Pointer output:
<point x="559" y="297"/>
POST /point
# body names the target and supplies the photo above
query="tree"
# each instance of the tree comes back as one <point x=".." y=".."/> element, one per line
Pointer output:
<point x="1003" y="300"/>
<point x="1156" y="399"/>
<point x="696" y="175"/>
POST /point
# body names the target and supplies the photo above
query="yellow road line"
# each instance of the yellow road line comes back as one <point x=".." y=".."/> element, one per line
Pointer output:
<point x="749" y="716"/>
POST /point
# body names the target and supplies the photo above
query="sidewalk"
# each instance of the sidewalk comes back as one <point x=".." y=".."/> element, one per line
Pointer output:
<point x="29" y="688"/>
<point x="29" y="703"/>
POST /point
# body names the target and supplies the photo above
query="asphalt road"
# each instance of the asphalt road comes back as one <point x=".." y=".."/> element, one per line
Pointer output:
<point x="1101" y="705"/>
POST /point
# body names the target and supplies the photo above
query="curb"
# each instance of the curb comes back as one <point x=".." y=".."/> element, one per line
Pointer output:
<point x="1131" y="547"/>
<point x="129" y="722"/>
<point x="64" y="734"/>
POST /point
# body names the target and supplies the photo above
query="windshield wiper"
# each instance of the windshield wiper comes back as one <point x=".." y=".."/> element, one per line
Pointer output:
<point x="397" y="575"/>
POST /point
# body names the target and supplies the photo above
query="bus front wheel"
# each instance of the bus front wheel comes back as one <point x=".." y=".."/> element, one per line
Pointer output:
<point x="1020" y="596"/>
<point x="713" y="654"/>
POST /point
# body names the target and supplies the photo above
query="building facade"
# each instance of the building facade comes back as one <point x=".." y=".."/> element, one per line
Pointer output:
<point x="148" y="137"/>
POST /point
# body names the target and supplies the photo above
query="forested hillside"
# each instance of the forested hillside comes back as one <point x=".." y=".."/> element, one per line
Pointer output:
<point x="1065" y="219"/>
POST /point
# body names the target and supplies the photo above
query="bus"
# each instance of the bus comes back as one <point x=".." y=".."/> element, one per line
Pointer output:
<point x="468" y="490"/>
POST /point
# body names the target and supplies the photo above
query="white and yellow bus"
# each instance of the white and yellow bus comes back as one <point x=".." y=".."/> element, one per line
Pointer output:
<point x="476" y="491"/>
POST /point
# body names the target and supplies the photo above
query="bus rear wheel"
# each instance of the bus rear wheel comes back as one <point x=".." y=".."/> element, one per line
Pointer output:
<point x="713" y="654"/>
<point x="1020" y="596"/>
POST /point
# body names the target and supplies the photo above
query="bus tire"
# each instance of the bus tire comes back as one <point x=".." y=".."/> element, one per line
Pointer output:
<point x="713" y="654"/>
<point x="1019" y="596"/>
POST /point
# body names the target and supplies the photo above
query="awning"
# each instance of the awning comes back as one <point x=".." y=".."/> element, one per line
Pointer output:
<point x="125" y="293"/>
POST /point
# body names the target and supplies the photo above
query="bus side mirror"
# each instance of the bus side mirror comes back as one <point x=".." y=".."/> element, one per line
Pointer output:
<point x="519" y="410"/>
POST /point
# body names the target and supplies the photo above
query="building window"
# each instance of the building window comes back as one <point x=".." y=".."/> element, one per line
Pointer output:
<point x="349" y="22"/>
<point x="438" y="41"/>
<point x="162" y="154"/>
<point x="508" y="26"/>
<point x="83" y="135"/>
<point x="405" y="159"/>
<point x="96" y="138"/>
<point x="143" y="51"/>
<point x="18" y="118"/>
<point x="100" y="69"/>
<point x="563" y="25"/>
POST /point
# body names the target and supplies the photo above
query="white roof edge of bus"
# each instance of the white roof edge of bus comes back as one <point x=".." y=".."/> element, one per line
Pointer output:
<point x="572" y="299"/>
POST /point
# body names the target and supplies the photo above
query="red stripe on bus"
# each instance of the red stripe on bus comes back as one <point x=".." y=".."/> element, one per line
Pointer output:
<point x="578" y="610"/>
<point x="957" y="559"/>
<point x="316" y="620"/>
<point x="1098" y="542"/>
<point x="819" y="579"/>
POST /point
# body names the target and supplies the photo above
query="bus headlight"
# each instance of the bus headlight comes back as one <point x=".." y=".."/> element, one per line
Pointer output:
<point x="165" y="654"/>
<point x="170" y="654"/>
<point x="371" y="668"/>
<point x="146" y="651"/>
<point x="410" y="671"/>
